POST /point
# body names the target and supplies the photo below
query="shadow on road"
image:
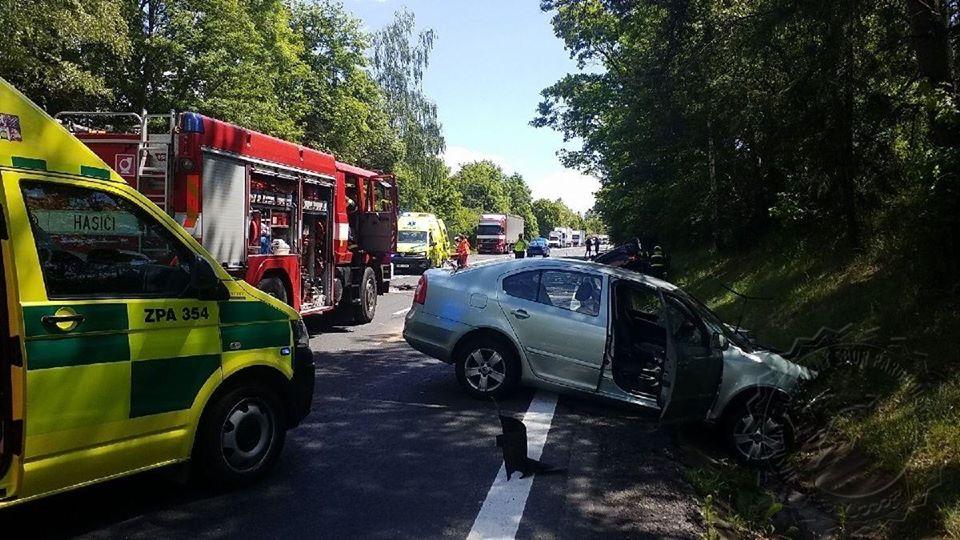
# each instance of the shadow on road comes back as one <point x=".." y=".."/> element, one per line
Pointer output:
<point x="392" y="448"/>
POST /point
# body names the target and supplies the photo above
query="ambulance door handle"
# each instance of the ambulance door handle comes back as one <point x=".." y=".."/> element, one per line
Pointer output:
<point x="53" y="320"/>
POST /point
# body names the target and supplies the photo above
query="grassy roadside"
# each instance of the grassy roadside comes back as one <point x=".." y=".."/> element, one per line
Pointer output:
<point x="915" y="432"/>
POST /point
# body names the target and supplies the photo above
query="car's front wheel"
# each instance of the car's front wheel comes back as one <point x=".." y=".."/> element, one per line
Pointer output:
<point x="759" y="431"/>
<point x="487" y="368"/>
<point x="241" y="435"/>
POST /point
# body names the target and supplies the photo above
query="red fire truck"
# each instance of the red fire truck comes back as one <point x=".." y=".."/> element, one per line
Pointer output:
<point x="311" y="231"/>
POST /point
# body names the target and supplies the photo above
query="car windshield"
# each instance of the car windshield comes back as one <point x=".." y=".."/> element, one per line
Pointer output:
<point x="489" y="230"/>
<point x="412" y="237"/>
<point x="713" y="319"/>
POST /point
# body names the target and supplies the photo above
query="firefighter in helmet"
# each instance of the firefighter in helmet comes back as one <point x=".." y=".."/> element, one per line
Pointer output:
<point x="658" y="263"/>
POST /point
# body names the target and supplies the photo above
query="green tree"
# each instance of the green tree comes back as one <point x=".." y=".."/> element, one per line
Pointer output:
<point x="236" y="60"/>
<point x="52" y="49"/>
<point x="552" y="214"/>
<point x="593" y="223"/>
<point x="347" y="111"/>
<point x="399" y="63"/>
<point x="521" y="204"/>
<point x="482" y="187"/>
<point x="714" y="121"/>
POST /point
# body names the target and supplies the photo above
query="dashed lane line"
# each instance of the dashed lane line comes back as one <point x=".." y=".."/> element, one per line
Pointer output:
<point x="500" y="515"/>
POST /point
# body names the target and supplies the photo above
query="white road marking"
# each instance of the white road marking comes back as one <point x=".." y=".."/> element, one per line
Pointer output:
<point x="499" y="517"/>
<point x="401" y="312"/>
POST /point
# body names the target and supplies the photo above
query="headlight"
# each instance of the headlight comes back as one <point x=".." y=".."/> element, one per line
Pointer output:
<point x="301" y="338"/>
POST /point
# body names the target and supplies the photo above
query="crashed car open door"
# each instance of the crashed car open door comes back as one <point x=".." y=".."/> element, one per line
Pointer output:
<point x="693" y="366"/>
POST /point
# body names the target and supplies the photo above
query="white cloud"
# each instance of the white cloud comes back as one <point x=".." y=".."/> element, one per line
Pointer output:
<point x="575" y="188"/>
<point x="456" y="156"/>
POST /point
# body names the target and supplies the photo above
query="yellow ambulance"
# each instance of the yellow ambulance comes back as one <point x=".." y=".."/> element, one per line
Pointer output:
<point x="422" y="243"/>
<point x="125" y="347"/>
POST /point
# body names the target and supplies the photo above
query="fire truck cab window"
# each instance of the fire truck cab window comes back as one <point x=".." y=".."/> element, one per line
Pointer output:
<point x="384" y="199"/>
<point x="96" y="244"/>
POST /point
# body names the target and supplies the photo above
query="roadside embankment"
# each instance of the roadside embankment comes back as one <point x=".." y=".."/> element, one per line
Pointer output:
<point x="887" y="417"/>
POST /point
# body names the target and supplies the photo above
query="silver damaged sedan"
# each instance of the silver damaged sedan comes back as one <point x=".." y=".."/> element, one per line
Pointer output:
<point x="582" y="327"/>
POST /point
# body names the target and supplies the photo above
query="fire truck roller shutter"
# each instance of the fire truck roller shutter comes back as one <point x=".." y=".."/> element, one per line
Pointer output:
<point x="224" y="208"/>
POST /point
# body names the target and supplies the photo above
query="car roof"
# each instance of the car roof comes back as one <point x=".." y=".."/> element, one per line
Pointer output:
<point x="509" y="265"/>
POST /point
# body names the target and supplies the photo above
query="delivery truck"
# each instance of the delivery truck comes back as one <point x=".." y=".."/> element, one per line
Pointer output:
<point x="497" y="233"/>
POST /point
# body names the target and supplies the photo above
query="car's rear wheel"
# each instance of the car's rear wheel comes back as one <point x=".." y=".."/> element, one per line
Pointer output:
<point x="487" y="368"/>
<point x="759" y="431"/>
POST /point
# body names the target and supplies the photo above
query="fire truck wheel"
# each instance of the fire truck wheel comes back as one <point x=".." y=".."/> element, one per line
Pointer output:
<point x="274" y="287"/>
<point x="337" y="290"/>
<point x="367" y="308"/>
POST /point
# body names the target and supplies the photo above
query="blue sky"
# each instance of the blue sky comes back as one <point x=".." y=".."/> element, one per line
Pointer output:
<point x="491" y="59"/>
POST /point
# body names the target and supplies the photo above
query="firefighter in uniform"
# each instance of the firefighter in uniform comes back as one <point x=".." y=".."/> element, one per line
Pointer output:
<point x="520" y="248"/>
<point x="658" y="263"/>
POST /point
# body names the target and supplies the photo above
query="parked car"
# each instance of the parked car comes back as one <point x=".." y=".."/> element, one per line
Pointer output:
<point x="582" y="327"/>
<point x="538" y="246"/>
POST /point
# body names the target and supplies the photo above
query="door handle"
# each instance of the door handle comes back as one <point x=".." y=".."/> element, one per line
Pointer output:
<point x="54" y="320"/>
<point x="521" y="314"/>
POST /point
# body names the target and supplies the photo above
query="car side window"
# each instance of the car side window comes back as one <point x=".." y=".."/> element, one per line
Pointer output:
<point x="523" y="285"/>
<point x="684" y="326"/>
<point x="96" y="244"/>
<point x="573" y="291"/>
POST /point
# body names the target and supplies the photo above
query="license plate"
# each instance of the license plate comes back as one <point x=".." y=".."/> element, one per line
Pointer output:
<point x="402" y="265"/>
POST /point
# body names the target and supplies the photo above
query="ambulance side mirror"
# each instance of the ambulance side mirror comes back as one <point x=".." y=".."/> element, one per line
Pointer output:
<point x="204" y="280"/>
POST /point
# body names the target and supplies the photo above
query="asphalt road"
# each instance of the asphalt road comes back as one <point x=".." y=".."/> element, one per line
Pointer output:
<point x="394" y="449"/>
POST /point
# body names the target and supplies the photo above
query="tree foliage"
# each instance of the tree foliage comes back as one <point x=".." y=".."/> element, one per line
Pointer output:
<point x="553" y="214"/>
<point x="52" y="50"/>
<point x="714" y="121"/>
<point x="483" y="187"/>
<point x="400" y="60"/>
<point x="302" y="70"/>
<point x="347" y="112"/>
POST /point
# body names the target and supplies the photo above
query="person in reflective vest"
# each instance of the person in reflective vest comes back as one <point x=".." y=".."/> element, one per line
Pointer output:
<point x="520" y="248"/>
<point x="463" y="251"/>
<point x="658" y="263"/>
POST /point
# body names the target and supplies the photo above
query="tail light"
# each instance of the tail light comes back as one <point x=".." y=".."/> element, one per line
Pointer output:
<point x="420" y="294"/>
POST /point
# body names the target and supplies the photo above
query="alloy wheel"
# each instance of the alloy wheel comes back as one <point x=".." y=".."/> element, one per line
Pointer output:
<point x="485" y="370"/>
<point x="759" y="437"/>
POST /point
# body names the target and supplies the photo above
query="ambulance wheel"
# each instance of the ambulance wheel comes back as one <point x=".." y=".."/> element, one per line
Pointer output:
<point x="240" y="435"/>
<point x="367" y="308"/>
<point x="274" y="287"/>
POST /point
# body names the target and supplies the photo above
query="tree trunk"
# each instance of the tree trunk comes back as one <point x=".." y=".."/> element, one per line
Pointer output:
<point x="929" y="25"/>
<point x="847" y="188"/>
<point x="714" y="189"/>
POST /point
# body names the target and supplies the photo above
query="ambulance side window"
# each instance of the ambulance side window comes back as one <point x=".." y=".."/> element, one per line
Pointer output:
<point x="96" y="244"/>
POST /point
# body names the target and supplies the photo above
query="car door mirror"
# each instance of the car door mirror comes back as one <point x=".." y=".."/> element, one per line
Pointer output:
<point x="718" y="342"/>
<point x="206" y="283"/>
